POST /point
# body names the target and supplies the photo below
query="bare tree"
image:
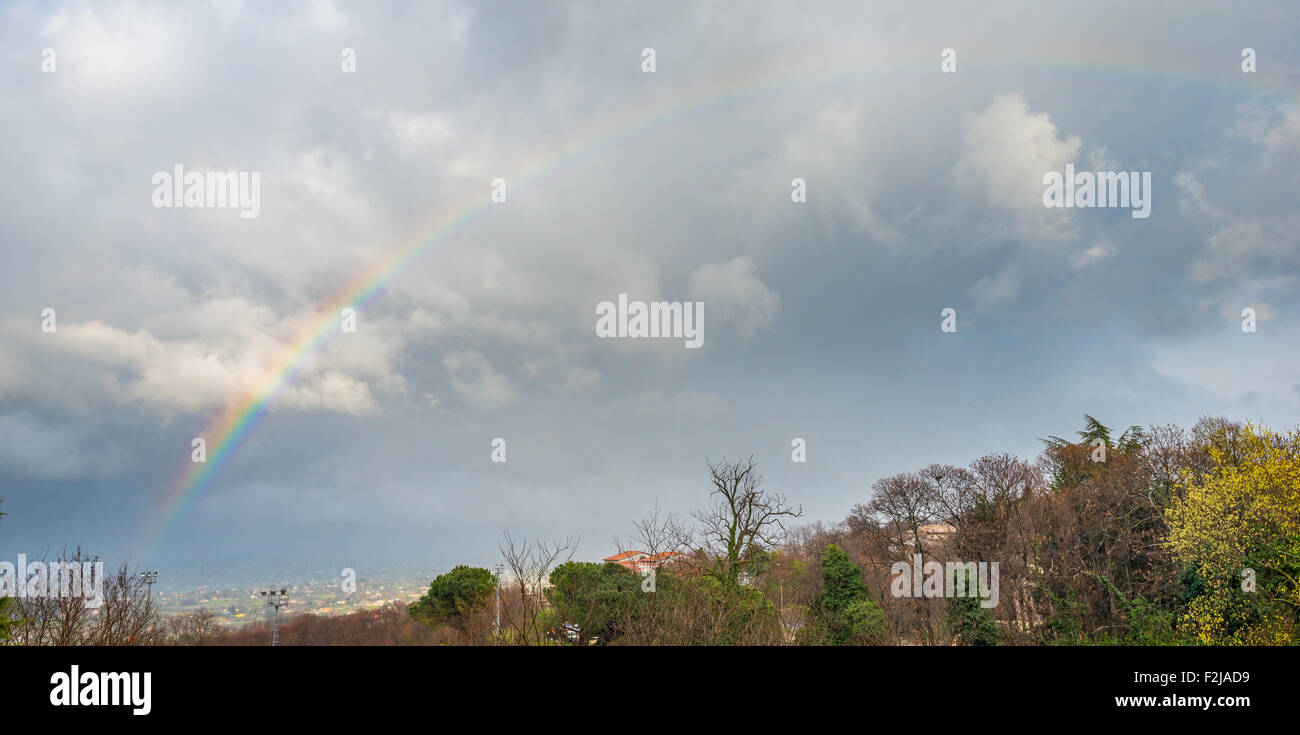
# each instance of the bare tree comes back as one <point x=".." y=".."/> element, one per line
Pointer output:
<point x="742" y="519"/>
<point x="902" y="504"/>
<point x="654" y="533"/>
<point x="954" y="490"/>
<point x="900" y="507"/>
<point x="126" y="618"/>
<point x="64" y="615"/>
<point x="54" y="620"/>
<point x="529" y="565"/>
<point x="193" y="629"/>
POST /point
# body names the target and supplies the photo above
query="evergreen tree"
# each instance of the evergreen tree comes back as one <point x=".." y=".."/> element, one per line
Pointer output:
<point x="969" y="621"/>
<point x="454" y="598"/>
<point x="844" y="613"/>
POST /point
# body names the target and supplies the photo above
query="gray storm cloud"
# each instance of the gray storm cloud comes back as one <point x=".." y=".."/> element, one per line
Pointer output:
<point x="822" y="317"/>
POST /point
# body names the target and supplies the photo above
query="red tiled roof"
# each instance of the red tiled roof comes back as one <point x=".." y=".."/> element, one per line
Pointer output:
<point x="647" y="560"/>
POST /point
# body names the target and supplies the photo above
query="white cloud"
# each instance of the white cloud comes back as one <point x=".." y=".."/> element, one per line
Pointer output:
<point x="115" y="51"/>
<point x="196" y="372"/>
<point x="1274" y="128"/>
<point x="1008" y="150"/>
<point x="733" y="294"/>
<point x="1101" y="250"/>
<point x="1243" y="245"/>
<point x="1192" y="195"/>
<point x="417" y="133"/>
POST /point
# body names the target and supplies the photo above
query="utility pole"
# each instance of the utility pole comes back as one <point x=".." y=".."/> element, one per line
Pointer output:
<point x="276" y="599"/>
<point x="499" y="568"/>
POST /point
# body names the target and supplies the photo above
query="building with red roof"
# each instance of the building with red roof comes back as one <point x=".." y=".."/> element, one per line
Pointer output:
<point x="640" y="561"/>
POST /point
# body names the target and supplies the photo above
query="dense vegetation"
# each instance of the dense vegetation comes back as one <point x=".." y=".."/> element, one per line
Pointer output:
<point x="1158" y="536"/>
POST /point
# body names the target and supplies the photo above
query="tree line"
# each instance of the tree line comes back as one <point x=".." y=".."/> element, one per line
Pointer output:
<point x="1155" y="536"/>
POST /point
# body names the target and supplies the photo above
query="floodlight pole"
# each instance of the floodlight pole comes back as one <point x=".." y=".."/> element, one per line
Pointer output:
<point x="149" y="578"/>
<point x="276" y="599"/>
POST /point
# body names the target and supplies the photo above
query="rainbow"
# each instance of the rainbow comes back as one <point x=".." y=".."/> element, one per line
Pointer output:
<point x="232" y="428"/>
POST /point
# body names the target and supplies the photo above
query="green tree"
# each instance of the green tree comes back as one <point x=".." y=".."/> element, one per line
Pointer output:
<point x="969" y="621"/>
<point x="844" y="613"/>
<point x="6" y="622"/>
<point x="455" y="599"/>
<point x="723" y="614"/>
<point x="598" y="598"/>
<point x="1071" y="462"/>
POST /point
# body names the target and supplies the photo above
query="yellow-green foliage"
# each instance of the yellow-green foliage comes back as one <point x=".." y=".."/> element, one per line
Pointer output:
<point x="1243" y="514"/>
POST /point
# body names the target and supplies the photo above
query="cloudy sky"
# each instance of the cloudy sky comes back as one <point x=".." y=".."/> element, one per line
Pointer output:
<point x="822" y="318"/>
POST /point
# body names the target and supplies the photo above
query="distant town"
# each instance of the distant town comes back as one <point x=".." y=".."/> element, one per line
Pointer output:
<point x="233" y="595"/>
